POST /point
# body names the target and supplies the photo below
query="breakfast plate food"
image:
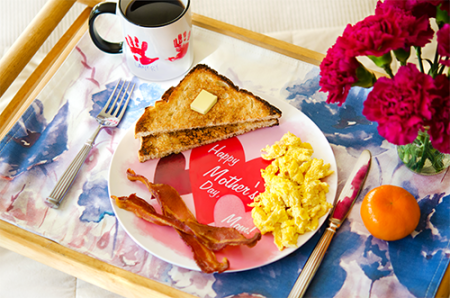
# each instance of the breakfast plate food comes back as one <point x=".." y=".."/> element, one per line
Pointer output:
<point x="217" y="182"/>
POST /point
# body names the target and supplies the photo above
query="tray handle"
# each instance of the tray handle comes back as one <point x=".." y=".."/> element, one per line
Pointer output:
<point x="40" y="28"/>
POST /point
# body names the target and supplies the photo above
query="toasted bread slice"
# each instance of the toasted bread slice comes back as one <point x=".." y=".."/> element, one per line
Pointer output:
<point x="164" y="144"/>
<point x="173" y="113"/>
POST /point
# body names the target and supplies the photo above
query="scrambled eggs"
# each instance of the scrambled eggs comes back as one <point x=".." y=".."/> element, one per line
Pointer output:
<point x="294" y="198"/>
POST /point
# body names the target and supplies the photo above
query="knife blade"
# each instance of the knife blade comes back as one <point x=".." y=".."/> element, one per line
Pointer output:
<point x="341" y="209"/>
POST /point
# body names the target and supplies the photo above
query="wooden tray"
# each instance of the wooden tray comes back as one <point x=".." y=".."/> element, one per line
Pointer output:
<point x="49" y="252"/>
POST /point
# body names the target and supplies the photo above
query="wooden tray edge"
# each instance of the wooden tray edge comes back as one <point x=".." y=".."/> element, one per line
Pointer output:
<point x="82" y="266"/>
<point x="258" y="39"/>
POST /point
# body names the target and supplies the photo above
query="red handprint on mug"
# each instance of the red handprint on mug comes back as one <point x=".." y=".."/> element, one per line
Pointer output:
<point x="139" y="51"/>
<point x="181" y="45"/>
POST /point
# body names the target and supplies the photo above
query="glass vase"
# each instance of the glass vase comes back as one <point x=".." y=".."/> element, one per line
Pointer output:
<point x="420" y="156"/>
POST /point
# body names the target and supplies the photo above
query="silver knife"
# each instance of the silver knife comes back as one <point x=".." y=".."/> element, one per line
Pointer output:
<point x="340" y="211"/>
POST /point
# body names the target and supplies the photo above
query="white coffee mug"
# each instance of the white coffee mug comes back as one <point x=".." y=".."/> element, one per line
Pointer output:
<point x="157" y="36"/>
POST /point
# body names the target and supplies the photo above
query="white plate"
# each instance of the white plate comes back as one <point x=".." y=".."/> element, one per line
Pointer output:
<point x="193" y="175"/>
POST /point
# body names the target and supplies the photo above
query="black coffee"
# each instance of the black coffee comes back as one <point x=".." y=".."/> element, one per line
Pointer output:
<point x="149" y="13"/>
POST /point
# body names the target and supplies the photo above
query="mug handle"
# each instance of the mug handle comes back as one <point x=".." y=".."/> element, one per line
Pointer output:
<point x="105" y="46"/>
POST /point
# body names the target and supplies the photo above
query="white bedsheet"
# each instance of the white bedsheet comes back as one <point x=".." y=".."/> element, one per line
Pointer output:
<point x="313" y="24"/>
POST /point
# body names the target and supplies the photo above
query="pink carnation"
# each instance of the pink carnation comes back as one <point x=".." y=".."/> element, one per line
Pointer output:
<point x="391" y="28"/>
<point x="428" y="7"/>
<point x="338" y="74"/>
<point x="445" y="5"/>
<point x="440" y="124"/>
<point x="417" y="28"/>
<point x="375" y="35"/>
<point x="400" y="105"/>
<point x="419" y="8"/>
<point x="443" y="39"/>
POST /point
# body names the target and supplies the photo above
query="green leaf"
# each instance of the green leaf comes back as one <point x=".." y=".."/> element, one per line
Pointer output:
<point x="442" y="17"/>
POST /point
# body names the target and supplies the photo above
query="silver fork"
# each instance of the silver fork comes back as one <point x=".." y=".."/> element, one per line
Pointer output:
<point x="108" y="117"/>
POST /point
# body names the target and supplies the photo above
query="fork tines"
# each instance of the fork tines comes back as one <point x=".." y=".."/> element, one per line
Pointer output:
<point x="124" y="94"/>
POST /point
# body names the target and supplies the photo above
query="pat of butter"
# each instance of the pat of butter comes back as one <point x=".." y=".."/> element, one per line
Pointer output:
<point x="204" y="102"/>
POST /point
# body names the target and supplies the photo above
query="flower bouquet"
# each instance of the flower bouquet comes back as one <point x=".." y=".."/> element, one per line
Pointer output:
<point x="412" y="106"/>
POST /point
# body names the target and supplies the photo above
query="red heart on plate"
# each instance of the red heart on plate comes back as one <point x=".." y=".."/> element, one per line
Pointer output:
<point x="171" y="170"/>
<point x="220" y="169"/>
<point x="230" y="212"/>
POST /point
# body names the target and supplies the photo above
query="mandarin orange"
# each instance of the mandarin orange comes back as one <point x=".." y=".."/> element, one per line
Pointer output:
<point x="390" y="212"/>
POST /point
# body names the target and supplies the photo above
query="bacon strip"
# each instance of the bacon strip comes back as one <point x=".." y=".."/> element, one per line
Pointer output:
<point x="144" y="210"/>
<point x="204" y="257"/>
<point x="173" y="206"/>
<point x="216" y="238"/>
<point x="168" y="198"/>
